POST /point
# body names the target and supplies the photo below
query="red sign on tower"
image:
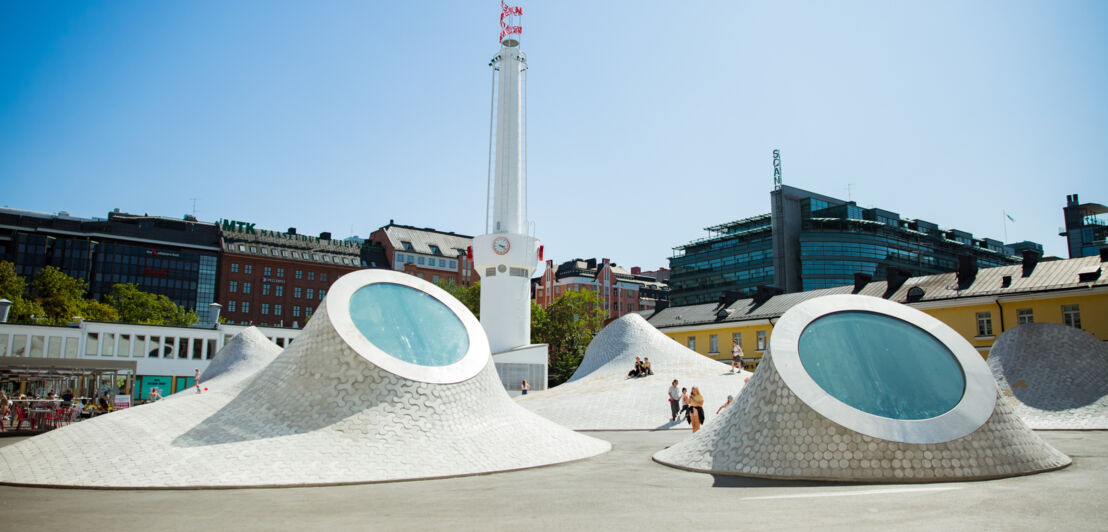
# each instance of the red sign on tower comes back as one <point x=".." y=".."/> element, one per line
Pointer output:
<point x="505" y="12"/>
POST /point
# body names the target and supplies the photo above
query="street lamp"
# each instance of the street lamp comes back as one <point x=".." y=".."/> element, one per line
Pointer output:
<point x="5" y="306"/>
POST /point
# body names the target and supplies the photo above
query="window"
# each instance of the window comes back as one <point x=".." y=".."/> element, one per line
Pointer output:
<point x="246" y="306"/>
<point x="323" y="277"/>
<point x="265" y="289"/>
<point x="248" y="268"/>
<point x="296" y="311"/>
<point x="253" y="249"/>
<point x="281" y="271"/>
<point x="453" y="264"/>
<point x="268" y="271"/>
<point x="322" y="293"/>
<point x="231" y="306"/>
<point x="234" y="267"/>
<point x="1071" y="315"/>
<point x="296" y="291"/>
<point x="265" y="251"/>
<point x="692" y="343"/>
<point x="299" y="274"/>
<point x="246" y="288"/>
<point x="984" y="324"/>
<point x="234" y="287"/>
<point x="713" y="343"/>
<point x="738" y="337"/>
<point x="265" y="308"/>
<point x="309" y="293"/>
<point x="276" y="310"/>
<point x="407" y="245"/>
<point x="1025" y="315"/>
<point x="761" y="341"/>
<point x="242" y="247"/>
<point x="420" y="260"/>
<point x="311" y="276"/>
<point x="434" y="278"/>
<point x="308" y="311"/>
<point x="279" y="290"/>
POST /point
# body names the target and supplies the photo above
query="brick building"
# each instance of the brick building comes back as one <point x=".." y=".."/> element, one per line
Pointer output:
<point x="426" y="253"/>
<point x="271" y="278"/>
<point x="622" y="291"/>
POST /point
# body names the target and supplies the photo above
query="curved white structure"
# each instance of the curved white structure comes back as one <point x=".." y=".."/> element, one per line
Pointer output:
<point x="600" y="396"/>
<point x="847" y="400"/>
<point x="235" y="364"/>
<point x="1054" y="376"/>
<point x="323" y="412"/>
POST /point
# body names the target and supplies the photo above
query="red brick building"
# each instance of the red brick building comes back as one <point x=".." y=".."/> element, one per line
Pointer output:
<point x="622" y="291"/>
<point x="278" y="279"/>
<point x="426" y="253"/>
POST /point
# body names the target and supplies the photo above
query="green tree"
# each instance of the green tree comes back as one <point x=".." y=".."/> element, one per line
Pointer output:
<point x="13" y="287"/>
<point x="135" y="306"/>
<point x="470" y="296"/>
<point x="567" y="326"/>
<point x="61" y="296"/>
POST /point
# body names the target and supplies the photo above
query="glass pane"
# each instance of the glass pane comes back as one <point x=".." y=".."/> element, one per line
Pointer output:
<point x="124" y="345"/>
<point x="108" y="345"/>
<point x="408" y="324"/>
<point x="19" y="345"/>
<point x="881" y="365"/>
<point x="3" y="345"/>
<point x="71" y="348"/>
<point x="54" y="349"/>
<point x="92" y="344"/>
<point x="36" y="345"/>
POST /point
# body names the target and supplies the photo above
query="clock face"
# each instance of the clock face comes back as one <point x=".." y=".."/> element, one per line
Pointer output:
<point x="501" y="245"/>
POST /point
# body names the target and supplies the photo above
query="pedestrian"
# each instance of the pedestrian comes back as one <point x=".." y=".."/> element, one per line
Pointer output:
<point x="524" y="387"/>
<point x="197" y="380"/>
<point x="685" y="404"/>
<point x="736" y="355"/>
<point x="674" y="401"/>
<point x="696" y="408"/>
<point x="154" y="395"/>
<point x="724" y="405"/>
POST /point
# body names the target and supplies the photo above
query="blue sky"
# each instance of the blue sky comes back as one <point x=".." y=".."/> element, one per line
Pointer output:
<point x="648" y="120"/>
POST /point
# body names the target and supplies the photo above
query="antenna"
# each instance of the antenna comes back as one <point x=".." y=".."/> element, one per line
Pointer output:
<point x="849" y="193"/>
<point x="194" y="200"/>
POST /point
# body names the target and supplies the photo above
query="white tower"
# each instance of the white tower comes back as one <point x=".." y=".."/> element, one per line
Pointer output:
<point x="506" y="257"/>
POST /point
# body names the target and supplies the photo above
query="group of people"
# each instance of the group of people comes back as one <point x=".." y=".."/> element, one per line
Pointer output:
<point x="690" y="405"/>
<point x="642" y="368"/>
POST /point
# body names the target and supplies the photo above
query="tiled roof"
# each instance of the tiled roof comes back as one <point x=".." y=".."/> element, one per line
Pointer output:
<point x="1047" y="276"/>
<point x="449" y="244"/>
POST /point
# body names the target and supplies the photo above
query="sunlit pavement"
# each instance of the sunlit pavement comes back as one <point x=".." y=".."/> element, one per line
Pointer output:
<point x="619" y="490"/>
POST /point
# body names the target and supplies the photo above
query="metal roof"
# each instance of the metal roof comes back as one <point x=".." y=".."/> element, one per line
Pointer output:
<point x="449" y="244"/>
<point x="1047" y="276"/>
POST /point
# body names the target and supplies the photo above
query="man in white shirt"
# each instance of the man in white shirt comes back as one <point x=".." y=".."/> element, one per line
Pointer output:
<point x="736" y="356"/>
<point x="674" y="400"/>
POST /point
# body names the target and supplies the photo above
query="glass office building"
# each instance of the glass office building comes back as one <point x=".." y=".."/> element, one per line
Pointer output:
<point x="176" y="258"/>
<point x="809" y="241"/>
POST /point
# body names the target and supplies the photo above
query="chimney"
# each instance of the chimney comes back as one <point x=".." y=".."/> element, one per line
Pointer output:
<point x="292" y="231"/>
<point x="764" y="293"/>
<point x="635" y="270"/>
<point x="1030" y="259"/>
<point x="895" y="279"/>
<point x="1006" y="281"/>
<point x="326" y="235"/>
<point x="213" y="313"/>
<point x="860" y="281"/>
<point x="967" y="271"/>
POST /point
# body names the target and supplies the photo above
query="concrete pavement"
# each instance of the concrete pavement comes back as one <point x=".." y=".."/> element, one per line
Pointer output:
<point x="620" y="490"/>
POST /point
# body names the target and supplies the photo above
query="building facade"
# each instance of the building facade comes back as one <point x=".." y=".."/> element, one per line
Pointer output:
<point x="1086" y="234"/>
<point x="277" y="279"/>
<point x="426" y="253"/>
<point x="622" y="291"/>
<point x="176" y="258"/>
<point x="978" y="304"/>
<point x="810" y="241"/>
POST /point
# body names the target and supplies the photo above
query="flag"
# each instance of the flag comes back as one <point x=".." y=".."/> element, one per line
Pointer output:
<point x="507" y="10"/>
<point x="509" y="30"/>
<point x="1009" y="217"/>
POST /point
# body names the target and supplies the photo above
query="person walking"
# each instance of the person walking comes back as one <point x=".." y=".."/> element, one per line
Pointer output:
<point x="197" y="380"/>
<point x="736" y="355"/>
<point x="696" y="408"/>
<point x="684" y="404"/>
<point x="674" y="401"/>
<point x="524" y="387"/>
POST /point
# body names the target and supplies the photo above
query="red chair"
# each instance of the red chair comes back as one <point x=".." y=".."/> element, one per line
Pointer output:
<point x="54" y="419"/>
<point x="22" y="416"/>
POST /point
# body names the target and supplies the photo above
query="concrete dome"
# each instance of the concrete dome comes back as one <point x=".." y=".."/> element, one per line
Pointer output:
<point x="321" y="413"/>
<point x="778" y="429"/>
<point x="600" y="396"/>
<point x="1054" y="376"/>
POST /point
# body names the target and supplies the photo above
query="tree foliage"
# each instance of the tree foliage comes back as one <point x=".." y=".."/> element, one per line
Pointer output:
<point x="62" y="297"/>
<point x="13" y="288"/>
<point x="136" y="306"/>
<point x="567" y="326"/>
<point x="470" y="296"/>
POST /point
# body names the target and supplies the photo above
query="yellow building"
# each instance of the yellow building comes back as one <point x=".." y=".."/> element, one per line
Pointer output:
<point x="980" y="306"/>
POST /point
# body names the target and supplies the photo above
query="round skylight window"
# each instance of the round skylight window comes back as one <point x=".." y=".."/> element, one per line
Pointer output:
<point x="407" y="326"/>
<point x="882" y="369"/>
